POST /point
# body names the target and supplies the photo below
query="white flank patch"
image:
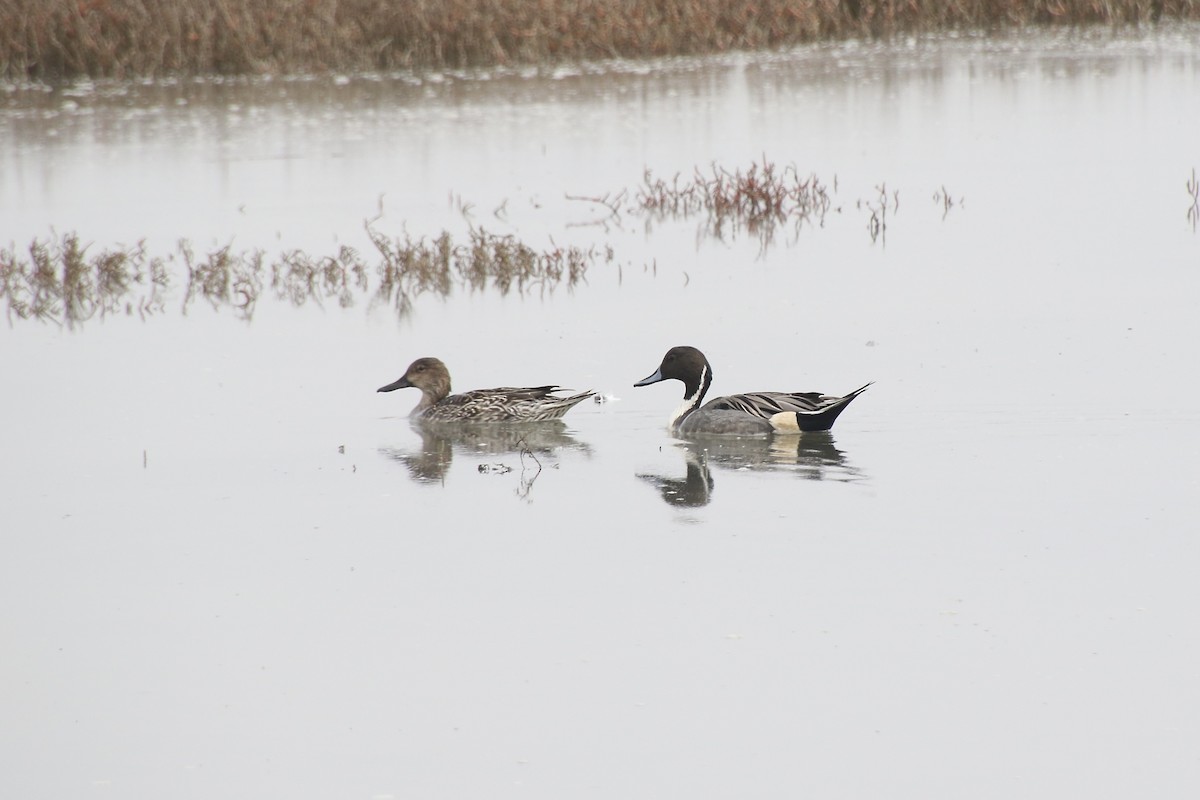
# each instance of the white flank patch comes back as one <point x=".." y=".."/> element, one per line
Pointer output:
<point x="785" y="422"/>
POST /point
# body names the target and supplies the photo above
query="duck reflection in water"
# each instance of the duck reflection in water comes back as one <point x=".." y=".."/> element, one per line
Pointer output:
<point x="812" y="456"/>
<point x="439" y="442"/>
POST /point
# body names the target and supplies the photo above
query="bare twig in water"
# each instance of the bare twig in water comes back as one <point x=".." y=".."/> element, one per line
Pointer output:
<point x="461" y="206"/>
<point x="877" y="222"/>
<point x="610" y="202"/>
<point x="527" y="483"/>
<point x="943" y="198"/>
<point x="1193" y="187"/>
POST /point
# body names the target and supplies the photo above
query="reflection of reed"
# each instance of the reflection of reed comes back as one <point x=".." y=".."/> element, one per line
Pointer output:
<point x="431" y="461"/>
<point x="58" y="280"/>
<point x="412" y="267"/>
<point x="763" y="198"/>
<point x="812" y="456"/>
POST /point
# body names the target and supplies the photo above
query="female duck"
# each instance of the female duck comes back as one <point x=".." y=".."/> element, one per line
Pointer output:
<point x="504" y="404"/>
<point x="756" y="413"/>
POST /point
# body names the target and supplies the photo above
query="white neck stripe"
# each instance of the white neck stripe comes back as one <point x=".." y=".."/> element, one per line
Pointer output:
<point x="690" y="403"/>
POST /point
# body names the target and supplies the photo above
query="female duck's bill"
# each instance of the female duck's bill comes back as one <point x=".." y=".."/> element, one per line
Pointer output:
<point x="754" y="413"/>
<point x="503" y="404"/>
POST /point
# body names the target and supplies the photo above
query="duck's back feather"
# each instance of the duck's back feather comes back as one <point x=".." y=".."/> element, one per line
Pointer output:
<point x="767" y="404"/>
<point x="814" y="411"/>
<point x="503" y="404"/>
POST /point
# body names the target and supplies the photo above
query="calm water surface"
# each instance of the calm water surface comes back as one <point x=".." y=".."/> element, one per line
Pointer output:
<point x="232" y="569"/>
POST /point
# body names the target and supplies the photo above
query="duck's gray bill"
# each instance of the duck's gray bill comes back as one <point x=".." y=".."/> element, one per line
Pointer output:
<point x="391" y="387"/>
<point x="655" y="378"/>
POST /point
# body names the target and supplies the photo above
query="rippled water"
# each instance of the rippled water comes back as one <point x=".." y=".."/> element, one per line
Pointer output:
<point x="233" y="569"/>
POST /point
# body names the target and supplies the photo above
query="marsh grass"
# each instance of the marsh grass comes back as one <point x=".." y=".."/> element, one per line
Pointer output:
<point x="411" y="267"/>
<point x="223" y="278"/>
<point x="762" y="198"/>
<point x="62" y="280"/>
<point x="59" y="280"/>
<point x="299" y="278"/>
<point x="65" y="39"/>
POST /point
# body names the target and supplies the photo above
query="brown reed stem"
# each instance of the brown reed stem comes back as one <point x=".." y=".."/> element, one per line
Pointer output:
<point x="67" y="39"/>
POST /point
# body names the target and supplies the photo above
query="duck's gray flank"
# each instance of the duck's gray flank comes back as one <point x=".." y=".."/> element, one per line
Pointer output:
<point x="502" y="404"/>
<point x="752" y="413"/>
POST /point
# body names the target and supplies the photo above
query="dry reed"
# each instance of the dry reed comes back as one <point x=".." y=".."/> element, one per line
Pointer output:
<point x="57" y="280"/>
<point x="65" y="39"/>
<point x="412" y="267"/>
<point x="762" y="197"/>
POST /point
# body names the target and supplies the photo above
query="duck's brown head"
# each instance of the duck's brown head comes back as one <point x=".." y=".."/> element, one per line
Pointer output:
<point x="427" y="374"/>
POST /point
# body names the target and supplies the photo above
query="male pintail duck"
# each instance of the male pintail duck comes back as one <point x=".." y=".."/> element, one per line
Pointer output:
<point x="756" y="413"/>
<point x="504" y="404"/>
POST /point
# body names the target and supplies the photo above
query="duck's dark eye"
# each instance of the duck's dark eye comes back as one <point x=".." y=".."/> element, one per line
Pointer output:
<point x="421" y="368"/>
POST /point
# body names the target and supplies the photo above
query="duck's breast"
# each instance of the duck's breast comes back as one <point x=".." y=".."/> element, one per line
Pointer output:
<point x="718" y="421"/>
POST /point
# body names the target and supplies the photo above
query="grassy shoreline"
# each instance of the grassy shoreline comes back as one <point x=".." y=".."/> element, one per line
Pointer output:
<point x="53" y="40"/>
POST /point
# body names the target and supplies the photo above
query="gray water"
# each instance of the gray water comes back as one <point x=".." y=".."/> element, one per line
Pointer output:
<point x="232" y="569"/>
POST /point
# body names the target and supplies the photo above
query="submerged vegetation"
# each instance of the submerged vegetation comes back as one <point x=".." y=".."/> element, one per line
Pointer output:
<point x="412" y="267"/>
<point x="763" y="198"/>
<point x="58" y="280"/>
<point x="67" y="39"/>
<point x="63" y="280"/>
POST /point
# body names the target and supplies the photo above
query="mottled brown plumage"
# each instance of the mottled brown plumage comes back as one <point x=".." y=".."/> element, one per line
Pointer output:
<point x="503" y="404"/>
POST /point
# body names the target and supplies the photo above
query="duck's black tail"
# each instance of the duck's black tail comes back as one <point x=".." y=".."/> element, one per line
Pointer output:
<point x="822" y="419"/>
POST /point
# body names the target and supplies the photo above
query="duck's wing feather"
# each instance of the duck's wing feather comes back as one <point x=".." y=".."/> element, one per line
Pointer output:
<point x="507" y="403"/>
<point x="524" y="394"/>
<point x="768" y="404"/>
